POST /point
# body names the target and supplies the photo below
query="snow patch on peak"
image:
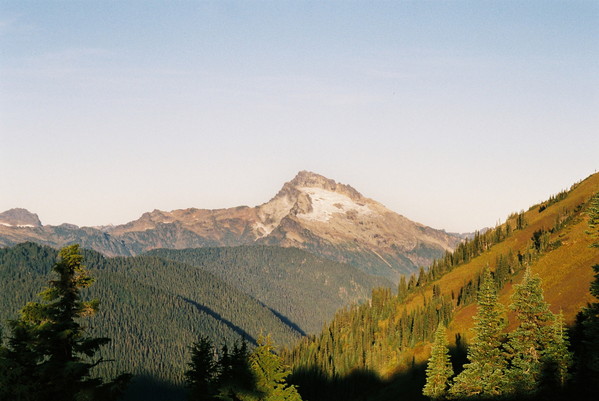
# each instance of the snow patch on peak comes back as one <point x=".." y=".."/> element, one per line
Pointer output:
<point x="18" y="225"/>
<point x="325" y="203"/>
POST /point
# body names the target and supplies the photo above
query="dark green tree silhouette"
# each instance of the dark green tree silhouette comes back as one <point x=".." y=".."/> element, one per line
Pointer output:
<point x="202" y="371"/>
<point x="438" y="370"/>
<point x="236" y="380"/>
<point x="48" y="356"/>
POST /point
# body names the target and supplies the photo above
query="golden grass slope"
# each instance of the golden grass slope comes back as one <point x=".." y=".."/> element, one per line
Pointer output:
<point x="566" y="271"/>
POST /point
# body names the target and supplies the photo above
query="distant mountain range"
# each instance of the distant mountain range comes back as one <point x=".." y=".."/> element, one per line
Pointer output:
<point x="310" y="212"/>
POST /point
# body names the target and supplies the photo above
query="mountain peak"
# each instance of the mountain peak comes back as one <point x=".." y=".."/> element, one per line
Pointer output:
<point x="310" y="212"/>
<point x="308" y="179"/>
<point x="19" y="217"/>
<point x="305" y="176"/>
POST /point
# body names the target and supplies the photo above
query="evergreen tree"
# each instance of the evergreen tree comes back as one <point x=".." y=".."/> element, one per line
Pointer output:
<point x="529" y="342"/>
<point x="225" y="368"/>
<point x="484" y="375"/>
<point x="402" y="288"/>
<point x="593" y="213"/>
<point x="240" y="367"/>
<point x="271" y="374"/>
<point x="48" y="356"/>
<point x="587" y="369"/>
<point x="520" y="221"/>
<point x="557" y="359"/>
<point x="19" y="377"/>
<point x="422" y="277"/>
<point x="412" y="282"/>
<point x="439" y="368"/>
<point x="588" y="319"/>
<point x="236" y="379"/>
<point x="230" y="378"/>
<point x="202" y="371"/>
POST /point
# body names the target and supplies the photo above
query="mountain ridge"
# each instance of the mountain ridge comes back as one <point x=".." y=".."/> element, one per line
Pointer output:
<point x="309" y="212"/>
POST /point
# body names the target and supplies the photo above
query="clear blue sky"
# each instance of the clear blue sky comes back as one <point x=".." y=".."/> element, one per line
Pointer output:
<point x="452" y="113"/>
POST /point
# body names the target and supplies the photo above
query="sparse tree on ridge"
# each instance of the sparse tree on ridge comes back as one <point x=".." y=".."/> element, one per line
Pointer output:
<point x="593" y="223"/>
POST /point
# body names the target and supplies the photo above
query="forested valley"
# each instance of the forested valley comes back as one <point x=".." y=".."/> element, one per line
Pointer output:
<point x="290" y="281"/>
<point x="152" y="309"/>
<point x="511" y="313"/>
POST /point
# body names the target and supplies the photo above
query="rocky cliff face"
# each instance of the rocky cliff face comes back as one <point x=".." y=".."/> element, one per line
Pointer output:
<point x="19" y="218"/>
<point x="310" y="212"/>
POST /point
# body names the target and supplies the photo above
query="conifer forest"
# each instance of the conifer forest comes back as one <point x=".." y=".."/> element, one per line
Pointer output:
<point x="494" y="319"/>
<point x="250" y="200"/>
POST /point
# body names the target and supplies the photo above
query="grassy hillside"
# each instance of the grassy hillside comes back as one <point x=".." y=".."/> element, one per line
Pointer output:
<point x="307" y="290"/>
<point x="565" y="270"/>
<point x="153" y="309"/>
<point x="388" y="340"/>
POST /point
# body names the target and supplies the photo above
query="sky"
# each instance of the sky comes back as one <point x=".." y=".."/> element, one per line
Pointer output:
<point x="451" y="113"/>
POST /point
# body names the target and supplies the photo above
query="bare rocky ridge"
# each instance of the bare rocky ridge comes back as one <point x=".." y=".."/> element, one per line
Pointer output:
<point x="19" y="218"/>
<point x="310" y="212"/>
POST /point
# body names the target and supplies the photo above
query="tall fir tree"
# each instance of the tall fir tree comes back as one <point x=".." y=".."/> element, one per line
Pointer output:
<point x="529" y="342"/>
<point x="402" y="288"/>
<point x="202" y="371"/>
<point x="587" y="369"/>
<point x="48" y="356"/>
<point x="439" y="369"/>
<point x="484" y="375"/>
<point x="557" y="359"/>
<point x="236" y="379"/>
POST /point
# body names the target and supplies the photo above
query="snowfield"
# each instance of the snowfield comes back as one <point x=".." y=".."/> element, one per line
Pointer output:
<point x="19" y="225"/>
<point x="326" y="203"/>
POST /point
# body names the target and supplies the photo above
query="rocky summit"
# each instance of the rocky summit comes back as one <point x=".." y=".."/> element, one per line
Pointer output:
<point x="20" y="218"/>
<point x="310" y="212"/>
